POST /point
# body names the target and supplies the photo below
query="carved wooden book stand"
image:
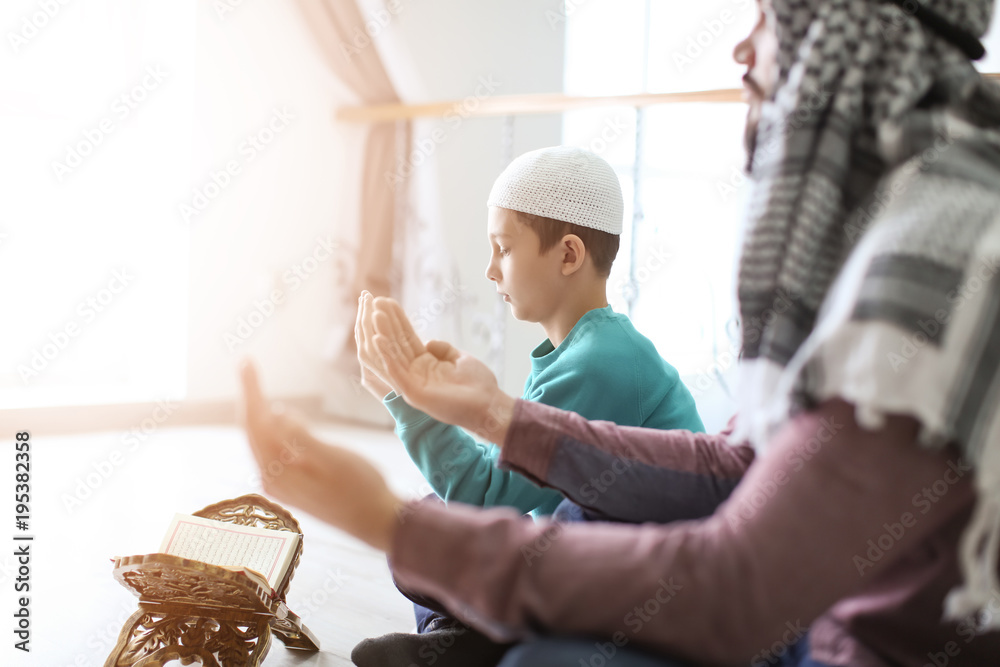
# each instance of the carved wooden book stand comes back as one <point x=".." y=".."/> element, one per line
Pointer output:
<point x="189" y="610"/>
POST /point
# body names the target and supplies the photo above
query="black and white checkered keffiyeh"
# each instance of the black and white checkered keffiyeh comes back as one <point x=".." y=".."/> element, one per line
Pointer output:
<point x="871" y="261"/>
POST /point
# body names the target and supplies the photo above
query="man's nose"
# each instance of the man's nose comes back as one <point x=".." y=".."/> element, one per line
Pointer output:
<point x="743" y="53"/>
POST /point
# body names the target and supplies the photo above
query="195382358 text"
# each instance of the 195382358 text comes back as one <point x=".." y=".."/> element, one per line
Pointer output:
<point x="22" y="541"/>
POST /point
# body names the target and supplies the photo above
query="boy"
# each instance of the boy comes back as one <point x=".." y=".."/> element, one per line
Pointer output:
<point x="554" y="225"/>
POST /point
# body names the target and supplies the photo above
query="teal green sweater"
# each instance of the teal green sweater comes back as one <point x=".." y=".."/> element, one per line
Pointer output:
<point x="604" y="370"/>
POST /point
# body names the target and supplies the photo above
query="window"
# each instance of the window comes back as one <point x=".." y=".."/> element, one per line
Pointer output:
<point x="688" y="160"/>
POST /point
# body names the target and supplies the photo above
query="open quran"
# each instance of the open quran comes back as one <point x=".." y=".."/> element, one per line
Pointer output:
<point x="215" y="591"/>
<point x="261" y="554"/>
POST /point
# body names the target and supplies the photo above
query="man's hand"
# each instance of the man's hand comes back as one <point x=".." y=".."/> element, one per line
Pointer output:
<point x="373" y="376"/>
<point x="449" y="385"/>
<point x="331" y="483"/>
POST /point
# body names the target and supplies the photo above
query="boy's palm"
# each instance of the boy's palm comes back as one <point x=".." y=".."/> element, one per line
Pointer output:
<point x="444" y="375"/>
<point x="373" y="375"/>
<point x="449" y="385"/>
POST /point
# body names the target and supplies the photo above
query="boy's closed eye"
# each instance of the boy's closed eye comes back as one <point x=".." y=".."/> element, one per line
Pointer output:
<point x="500" y="249"/>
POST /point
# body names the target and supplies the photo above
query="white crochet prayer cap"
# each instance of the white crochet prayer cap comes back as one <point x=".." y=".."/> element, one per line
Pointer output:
<point x="562" y="183"/>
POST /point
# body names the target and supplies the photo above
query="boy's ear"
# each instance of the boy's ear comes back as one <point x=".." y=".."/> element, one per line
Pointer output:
<point x="574" y="253"/>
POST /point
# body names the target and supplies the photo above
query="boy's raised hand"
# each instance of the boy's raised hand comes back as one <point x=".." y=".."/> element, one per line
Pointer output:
<point x="331" y="483"/>
<point x="373" y="376"/>
<point x="447" y="384"/>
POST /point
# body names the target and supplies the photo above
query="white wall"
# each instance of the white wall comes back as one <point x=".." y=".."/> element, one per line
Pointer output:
<point x="298" y="188"/>
<point x="452" y="50"/>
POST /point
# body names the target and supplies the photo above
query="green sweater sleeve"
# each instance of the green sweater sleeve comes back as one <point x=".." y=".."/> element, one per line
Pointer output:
<point x="460" y="469"/>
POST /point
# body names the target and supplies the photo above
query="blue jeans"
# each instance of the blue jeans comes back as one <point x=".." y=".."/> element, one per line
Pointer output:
<point x="432" y="619"/>
<point x="584" y="653"/>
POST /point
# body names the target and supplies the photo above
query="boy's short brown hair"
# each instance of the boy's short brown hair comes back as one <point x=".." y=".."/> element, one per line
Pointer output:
<point x="601" y="246"/>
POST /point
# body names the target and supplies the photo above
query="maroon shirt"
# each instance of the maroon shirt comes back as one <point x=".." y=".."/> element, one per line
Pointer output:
<point x="851" y="532"/>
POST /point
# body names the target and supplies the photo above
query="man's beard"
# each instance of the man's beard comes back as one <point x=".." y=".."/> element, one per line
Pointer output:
<point x="750" y="134"/>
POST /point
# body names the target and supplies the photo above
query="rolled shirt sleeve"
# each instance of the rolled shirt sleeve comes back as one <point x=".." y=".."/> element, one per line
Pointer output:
<point x="622" y="473"/>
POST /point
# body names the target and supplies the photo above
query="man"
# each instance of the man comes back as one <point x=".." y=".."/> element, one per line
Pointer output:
<point x="872" y="400"/>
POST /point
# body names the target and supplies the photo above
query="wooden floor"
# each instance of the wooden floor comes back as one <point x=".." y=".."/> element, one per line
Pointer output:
<point x="90" y="506"/>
